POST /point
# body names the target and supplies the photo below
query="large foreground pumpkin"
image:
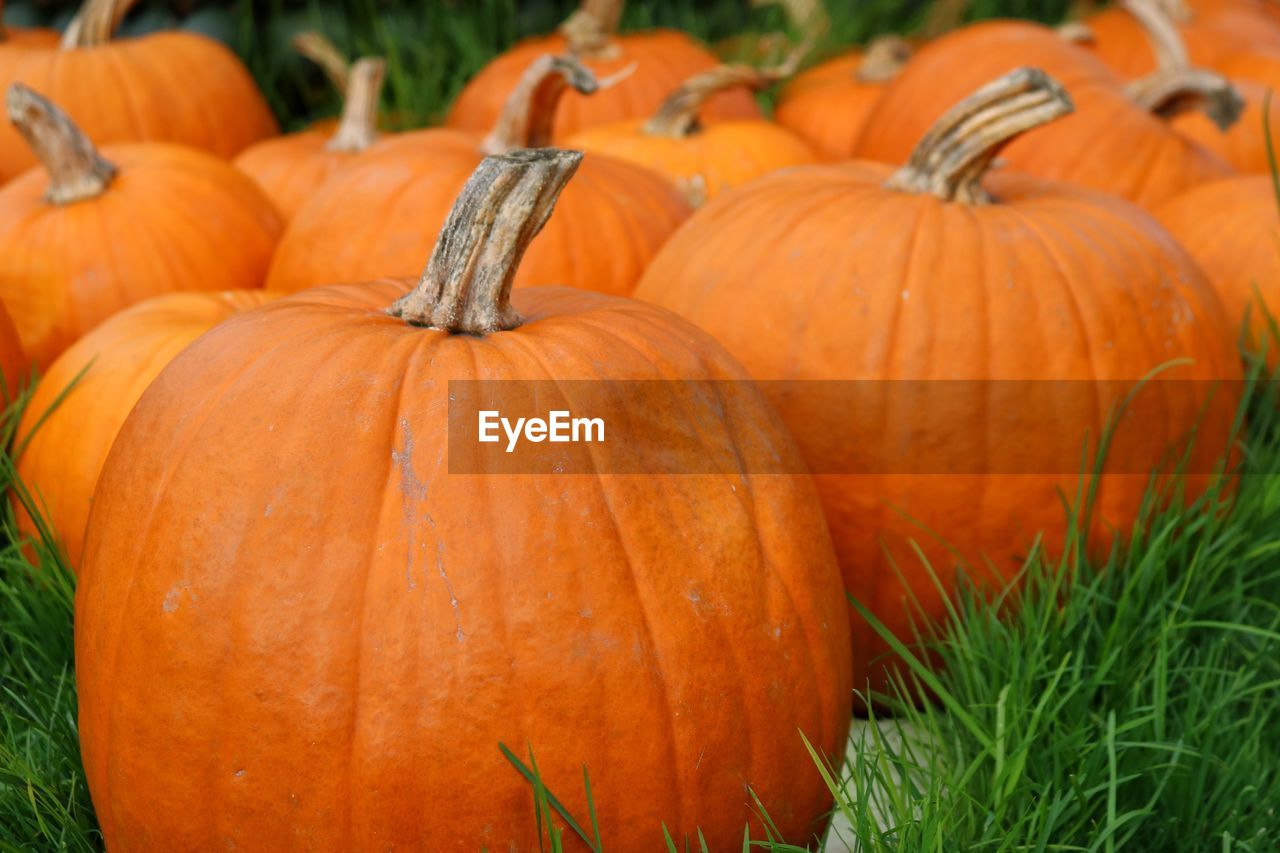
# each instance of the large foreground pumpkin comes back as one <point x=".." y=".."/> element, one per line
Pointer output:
<point x="170" y="86"/>
<point x="378" y="215"/>
<point x="85" y="395"/>
<point x="92" y="233"/>
<point x="650" y="65"/>
<point x="296" y="629"/>
<point x="938" y="304"/>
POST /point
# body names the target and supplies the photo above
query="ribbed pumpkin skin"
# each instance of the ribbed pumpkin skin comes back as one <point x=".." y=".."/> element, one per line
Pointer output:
<point x="1230" y="228"/>
<point x="291" y="168"/>
<point x="1109" y="143"/>
<point x="174" y="219"/>
<point x="672" y="633"/>
<point x="379" y="217"/>
<point x="1243" y="145"/>
<point x="167" y="87"/>
<point x="14" y="364"/>
<point x="827" y="106"/>
<point x="821" y="273"/>
<point x="713" y="159"/>
<point x="663" y="60"/>
<point x="1211" y="38"/>
<point x="106" y="371"/>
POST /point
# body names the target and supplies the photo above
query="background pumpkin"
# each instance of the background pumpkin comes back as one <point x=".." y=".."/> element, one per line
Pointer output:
<point x="701" y="614"/>
<point x="377" y="216"/>
<point x="14" y="364"/>
<point x="291" y="168"/>
<point x="83" y="398"/>
<point x="827" y="106"/>
<point x="87" y="236"/>
<point x="703" y="160"/>
<point x="893" y="287"/>
<point x="1230" y="228"/>
<point x="649" y="65"/>
<point x="1243" y="145"/>
<point x="171" y="86"/>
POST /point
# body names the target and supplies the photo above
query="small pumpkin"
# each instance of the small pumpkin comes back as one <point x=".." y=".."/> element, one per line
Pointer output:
<point x="91" y="233"/>
<point x="1230" y="228"/>
<point x="291" y="168"/>
<point x="923" y="298"/>
<point x="379" y="605"/>
<point x="170" y="86"/>
<point x="828" y="105"/>
<point x="649" y="65"/>
<point x="1119" y="139"/>
<point x="85" y="395"/>
<point x="703" y="160"/>
<point x="1212" y="35"/>
<point x="375" y="217"/>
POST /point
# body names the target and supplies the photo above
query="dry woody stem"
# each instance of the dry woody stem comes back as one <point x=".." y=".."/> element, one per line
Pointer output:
<point x="958" y="150"/>
<point x="77" y="172"/>
<point x="324" y="53"/>
<point x="1175" y="87"/>
<point x="95" y="23"/>
<point x="466" y="288"/>
<point x="358" y="128"/>
<point x="529" y="115"/>
<point x="590" y="30"/>
<point x="884" y="59"/>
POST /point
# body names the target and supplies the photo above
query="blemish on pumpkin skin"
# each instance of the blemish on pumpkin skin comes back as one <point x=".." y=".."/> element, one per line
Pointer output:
<point x="238" y="773"/>
<point x="448" y="585"/>
<point x="173" y="598"/>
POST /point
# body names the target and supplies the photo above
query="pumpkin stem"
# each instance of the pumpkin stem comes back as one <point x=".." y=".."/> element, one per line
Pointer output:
<point x="358" y="128"/>
<point x="884" y="59"/>
<point x="590" y="30"/>
<point x="95" y="23"/>
<point x="1175" y="87"/>
<point x="466" y="288"/>
<point x="678" y="116"/>
<point x="1076" y="32"/>
<point x="315" y="47"/>
<point x="77" y="171"/>
<point x="951" y="159"/>
<point x="943" y="17"/>
<point x="530" y="111"/>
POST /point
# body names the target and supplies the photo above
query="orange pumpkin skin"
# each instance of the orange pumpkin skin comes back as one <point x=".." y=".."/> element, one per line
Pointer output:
<point x="14" y="364"/>
<point x="1229" y="227"/>
<point x="1211" y="39"/>
<point x="662" y="59"/>
<point x="174" y="219"/>
<point x="1109" y="143"/>
<point x="821" y="273"/>
<point x="291" y="168"/>
<point x="377" y="612"/>
<point x="711" y="160"/>
<point x="106" y="371"/>
<point x="166" y="87"/>
<point x="1243" y="145"/>
<point x="379" y="216"/>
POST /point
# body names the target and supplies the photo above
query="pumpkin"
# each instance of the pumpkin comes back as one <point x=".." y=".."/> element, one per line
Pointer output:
<point x="1211" y="35"/>
<point x="170" y="86"/>
<point x="25" y="36"/>
<point x="92" y="233"/>
<point x="63" y="442"/>
<point x="368" y="220"/>
<point x="901" y="320"/>
<point x="647" y="67"/>
<point x="379" y="613"/>
<point x="703" y="160"/>
<point x="1229" y="227"/>
<point x="1243" y="145"/>
<point x="290" y="168"/>
<point x="13" y="361"/>
<point x="1119" y="139"/>
<point x="827" y="105"/>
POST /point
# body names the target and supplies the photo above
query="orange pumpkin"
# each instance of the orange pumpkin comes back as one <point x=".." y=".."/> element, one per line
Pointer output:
<point x="1118" y="139"/>
<point x="377" y="613"/>
<point x="291" y="168"/>
<point x="1243" y="145"/>
<point x="63" y="442"/>
<point x="647" y="67"/>
<point x="703" y="160"/>
<point x="14" y="364"/>
<point x="375" y="217"/>
<point x="931" y="301"/>
<point x="828" y="105"/>
<point x="25" y="36"/>
<point x="1230" y="228"/>
<point x="90" y="233"/>
<point x="170" y="86"/>
<point x="1212" y="35"/>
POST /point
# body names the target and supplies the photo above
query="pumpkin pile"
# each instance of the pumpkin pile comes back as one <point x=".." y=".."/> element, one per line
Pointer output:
<point x="314" y="608"/>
